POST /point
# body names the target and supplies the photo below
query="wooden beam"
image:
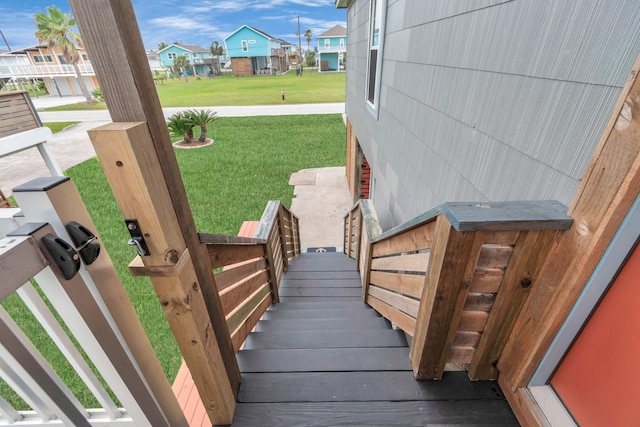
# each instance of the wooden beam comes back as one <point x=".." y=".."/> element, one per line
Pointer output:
<point x="122" y="148"/>
<point x="442" y="297"/>
<point x="112" y="38"/>
<point x="610" y="186"/>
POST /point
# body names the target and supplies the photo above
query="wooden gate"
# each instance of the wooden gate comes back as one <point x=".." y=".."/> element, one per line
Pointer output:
<point x="86" y="294"/>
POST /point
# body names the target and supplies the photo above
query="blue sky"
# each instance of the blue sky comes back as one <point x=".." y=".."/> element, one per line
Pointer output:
<point x="195" y="22"/>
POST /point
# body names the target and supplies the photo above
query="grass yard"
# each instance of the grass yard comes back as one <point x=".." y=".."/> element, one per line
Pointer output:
<point x="309" y="88"/>
<point x="227" y="183"/>
<point x="58" y="126"/>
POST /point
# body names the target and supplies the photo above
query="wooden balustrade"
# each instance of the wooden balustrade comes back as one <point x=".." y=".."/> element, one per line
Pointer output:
<point x="454" y="278"/>
<point x="252" y="268"/>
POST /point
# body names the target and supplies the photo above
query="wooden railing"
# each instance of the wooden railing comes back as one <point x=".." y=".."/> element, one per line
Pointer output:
<point x="454" y="278"/>
<point x="252" y="268"/>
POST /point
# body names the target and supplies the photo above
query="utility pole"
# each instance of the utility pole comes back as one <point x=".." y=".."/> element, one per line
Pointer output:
<point x="299" y="43"/>
<point x="9" y="48"/>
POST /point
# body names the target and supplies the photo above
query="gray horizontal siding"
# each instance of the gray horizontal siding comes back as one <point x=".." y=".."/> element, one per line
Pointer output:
<point x="487" y="100"/>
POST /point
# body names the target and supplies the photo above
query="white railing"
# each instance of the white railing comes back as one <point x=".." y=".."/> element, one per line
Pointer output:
<point x="97" y="315"/>
<point x="330" y="49"/>
<point x="33" y="71"/>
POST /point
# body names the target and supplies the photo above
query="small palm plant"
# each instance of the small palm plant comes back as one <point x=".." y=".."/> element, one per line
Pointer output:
<point x="202" y="118"/>
<point x="181" y="124"/>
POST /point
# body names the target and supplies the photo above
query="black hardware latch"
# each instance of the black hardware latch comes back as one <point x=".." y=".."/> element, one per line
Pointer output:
<point x="137" y="239"/>
<point x="63" y="254"/>
<point x="85" y="241"/>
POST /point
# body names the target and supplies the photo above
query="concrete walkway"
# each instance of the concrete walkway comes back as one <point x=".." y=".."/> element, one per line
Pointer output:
<point x="322" y="194"/>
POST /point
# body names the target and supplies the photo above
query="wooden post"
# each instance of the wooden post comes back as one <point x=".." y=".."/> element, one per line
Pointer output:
<point x="283" y="237"/>
<point x="443" y="297"/>
<point x="110" y="33"/>
<point x="120" y="148"/>
<point x="610" y="186"/>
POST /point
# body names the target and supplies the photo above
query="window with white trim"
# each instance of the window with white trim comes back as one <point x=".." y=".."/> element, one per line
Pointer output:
<point x="42" y="58"/>
<point x="245" y="46"/>
<point x="376" y="41"/>
<point x="327" y="43"/>
<point x="171" y="55"/>
<point x="341" y="42"/>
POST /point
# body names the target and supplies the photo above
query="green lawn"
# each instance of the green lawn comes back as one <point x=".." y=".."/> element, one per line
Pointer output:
<point x="311" y="87"/>
<point x="58" y="126"/>
<point x="227" y="183"/>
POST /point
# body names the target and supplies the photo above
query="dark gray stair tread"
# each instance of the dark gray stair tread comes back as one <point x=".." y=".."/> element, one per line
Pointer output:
<point x="322" y="299"/>
<point x="329" y="264"/>
<point x="320" y="292"/>
<point x="321" y="305"/>
<point x="325" y="360"/>
<point x="322" y="275"/>
<point x="450" y="413"/>
<point x="326" y="339"/>
<point x="361" y="386"/>
<point x="379" y="323"/>
<point x="318" y="314"/>
<point x="332" y="283"/>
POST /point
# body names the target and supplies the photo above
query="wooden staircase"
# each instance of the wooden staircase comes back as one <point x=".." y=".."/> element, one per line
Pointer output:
<point x="323" y="357"/>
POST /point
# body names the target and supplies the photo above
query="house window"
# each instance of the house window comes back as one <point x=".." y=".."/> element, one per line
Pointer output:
<point x="341" y="42"/>
<point x="245" y="46"/>
<point x="85" y="57"/>
<point x="61" y="59"/>
<point x="42" y="58"/>
<point x="171" y="55"/>
<point x="327" y="43"/>
<point x="376" y="41"/>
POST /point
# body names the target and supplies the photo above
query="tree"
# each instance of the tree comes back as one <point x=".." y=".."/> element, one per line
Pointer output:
<point x="310" y="59"/>
<point x="307" y="35"/>
<point x="181" y="124"/>
<point x="216" y="50"/>
<point x="201" y="118"/>
<point x="162" y="45"/>
<point x="180" y="64"/>
<point x="56" y="29"/>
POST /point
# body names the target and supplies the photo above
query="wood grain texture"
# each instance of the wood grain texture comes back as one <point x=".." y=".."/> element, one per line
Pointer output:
<point x="479" y="413"/>
<point x="417" y="239"/>
<point x="325" y="339"/>
<point x="233" y="274"/>
<point x="416" y="263"/>
<point x="235" y="295"/>
<point x="405" y="304"/>
<point x="397" y="317"/>
<point x="356" y="323"/>
<point x="223" y="255"/>
<point x="405" y="284"/>
<point x="608" y="189"/>
<point x="129" y="92"/>
<point x="441" y="301"/>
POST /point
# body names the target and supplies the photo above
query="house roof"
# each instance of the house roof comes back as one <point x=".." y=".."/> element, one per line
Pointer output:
<point x="188" y="47"/>
<point x="335" y="31"/>
<point x="262" y="33"/>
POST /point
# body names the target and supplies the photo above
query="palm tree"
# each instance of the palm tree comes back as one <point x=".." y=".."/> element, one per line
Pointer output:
<point x="162" y="45"/>
<point x="181" y="63"/>
<point x="202" y="118"/>
<point x="55" y="28"/>
<point x="216" y="50"/>
<point x="307" y="35"/>
<point x="181" y="124"/>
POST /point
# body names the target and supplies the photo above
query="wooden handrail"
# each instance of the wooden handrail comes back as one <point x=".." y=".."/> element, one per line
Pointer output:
<point x="252" y="268"/>
<point x="455" y="277"/>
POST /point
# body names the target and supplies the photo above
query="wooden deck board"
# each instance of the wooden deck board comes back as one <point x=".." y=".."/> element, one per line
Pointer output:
<point x="320" y="292"/>
<point x="326" y="339"/>
<point x="312" y="283"/>
<point x="357" y="323"/>
<point x="317" y="314"/>
<point x="412" y="413"/>
<point x="324" y="360"/>
<point x="360" y="387"/>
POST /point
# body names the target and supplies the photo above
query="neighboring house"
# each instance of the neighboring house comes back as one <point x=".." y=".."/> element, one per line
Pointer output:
<point x="494" y="101"/>
<point x="255" y="52"/>
<point x="199" y="58"/>
<point x="9" y="63"/>
<point x="332" y="48"/>
<point x="154" y="60"/>
<point x="49" y="66"/>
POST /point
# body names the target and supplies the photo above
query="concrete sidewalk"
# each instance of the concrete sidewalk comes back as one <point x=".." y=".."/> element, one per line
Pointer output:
<point x="322" y="195"/>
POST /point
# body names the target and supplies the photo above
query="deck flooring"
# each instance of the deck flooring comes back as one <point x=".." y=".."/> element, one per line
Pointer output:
<point x="321" y="357"/>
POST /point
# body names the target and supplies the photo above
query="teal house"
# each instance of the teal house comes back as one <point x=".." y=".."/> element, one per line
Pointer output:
<point x="332" y="49"/>
<point x="254" y="52"/>
<point x="200" y="58"/>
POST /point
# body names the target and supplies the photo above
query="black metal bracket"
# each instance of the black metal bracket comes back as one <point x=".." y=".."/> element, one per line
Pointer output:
<point x="85" y="241"/>
<point x="137" y="239"/>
